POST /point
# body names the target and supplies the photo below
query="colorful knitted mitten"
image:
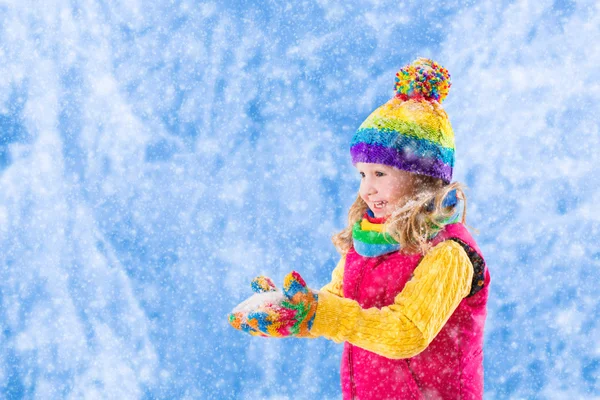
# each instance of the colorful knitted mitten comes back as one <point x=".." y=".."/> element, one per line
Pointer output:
<point x="265" y="291"/>
<point x="290" y="315"/>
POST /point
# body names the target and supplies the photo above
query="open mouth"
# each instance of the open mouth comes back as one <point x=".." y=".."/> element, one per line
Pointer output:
<point x="378" y="205"/>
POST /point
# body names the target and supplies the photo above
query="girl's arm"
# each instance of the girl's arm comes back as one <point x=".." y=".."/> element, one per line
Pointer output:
<point x="405" y="328"/>
<point x="335" y="286"/>
<point x="337" y="277"/>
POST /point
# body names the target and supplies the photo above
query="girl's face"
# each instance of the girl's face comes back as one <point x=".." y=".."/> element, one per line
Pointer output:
<point x="384" y="188"/>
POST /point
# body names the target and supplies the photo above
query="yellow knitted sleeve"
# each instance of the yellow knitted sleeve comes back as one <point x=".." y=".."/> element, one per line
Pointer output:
<point x="404" y="329"/>
<point x="334" y="287"/>
<point x="337" y="278"/>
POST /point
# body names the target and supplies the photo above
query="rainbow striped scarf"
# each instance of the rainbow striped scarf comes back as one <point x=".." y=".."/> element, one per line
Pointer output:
<point x="371" y="241"/>
<point x="369" y="238"/>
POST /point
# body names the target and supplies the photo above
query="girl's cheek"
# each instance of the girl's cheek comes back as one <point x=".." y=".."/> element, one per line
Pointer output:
<point x="361" y="192"/>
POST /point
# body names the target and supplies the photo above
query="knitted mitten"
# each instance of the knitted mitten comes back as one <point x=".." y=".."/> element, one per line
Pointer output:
<point x="265" y="291"/>
<point x="289" y="315"/>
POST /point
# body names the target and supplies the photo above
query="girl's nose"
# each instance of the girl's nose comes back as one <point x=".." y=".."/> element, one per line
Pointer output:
<point x="371" y="190"/>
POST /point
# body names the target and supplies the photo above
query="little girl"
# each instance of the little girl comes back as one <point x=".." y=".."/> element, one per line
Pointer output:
<point x="408" y="297"/>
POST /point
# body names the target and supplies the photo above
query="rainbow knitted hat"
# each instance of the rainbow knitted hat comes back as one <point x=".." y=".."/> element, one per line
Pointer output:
<point x="411" y="131"/>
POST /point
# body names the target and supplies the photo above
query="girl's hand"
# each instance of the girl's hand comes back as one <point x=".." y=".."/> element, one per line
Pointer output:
<point x="265" y="290"/>
<point x="278" y="315"/>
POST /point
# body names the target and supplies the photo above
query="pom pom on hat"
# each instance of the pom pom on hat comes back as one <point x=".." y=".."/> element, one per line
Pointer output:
<point x="423" y="79"/>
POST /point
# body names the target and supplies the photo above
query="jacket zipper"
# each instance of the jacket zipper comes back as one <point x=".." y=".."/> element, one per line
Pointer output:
<point x="412" y="372"/>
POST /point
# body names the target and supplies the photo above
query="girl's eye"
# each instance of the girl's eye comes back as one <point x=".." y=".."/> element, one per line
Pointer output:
<point x="362" y="174"/>
<point x="379" y="173"/>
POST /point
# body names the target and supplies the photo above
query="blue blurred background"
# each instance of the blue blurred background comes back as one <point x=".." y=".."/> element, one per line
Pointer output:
<point x="155" y="156"/>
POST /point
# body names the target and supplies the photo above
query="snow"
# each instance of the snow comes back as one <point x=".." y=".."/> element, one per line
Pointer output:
<point x="258" y="299"/>
<point x="156" y="156"/>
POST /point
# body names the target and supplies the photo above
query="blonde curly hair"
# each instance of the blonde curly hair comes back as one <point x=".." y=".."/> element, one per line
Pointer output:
<point x="413" y="223"/>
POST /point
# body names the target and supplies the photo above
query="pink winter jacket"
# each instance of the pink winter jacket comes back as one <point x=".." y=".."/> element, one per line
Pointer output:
<point x="451" y="367"/>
